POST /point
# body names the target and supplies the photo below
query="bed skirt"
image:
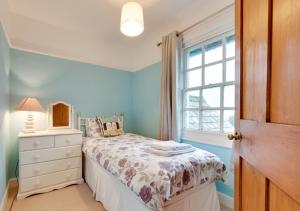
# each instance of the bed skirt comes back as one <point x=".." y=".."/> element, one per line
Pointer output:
<point x="115" y="196"/>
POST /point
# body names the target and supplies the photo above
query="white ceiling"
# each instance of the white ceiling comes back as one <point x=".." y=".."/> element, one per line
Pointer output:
<point x="88" y="30"/>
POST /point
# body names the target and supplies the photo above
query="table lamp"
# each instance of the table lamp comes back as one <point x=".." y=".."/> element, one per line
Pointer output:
<point x="31" y="105"/>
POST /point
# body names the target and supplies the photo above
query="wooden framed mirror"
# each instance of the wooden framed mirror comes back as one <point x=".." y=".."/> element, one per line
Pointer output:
<point x="60" y="115"/>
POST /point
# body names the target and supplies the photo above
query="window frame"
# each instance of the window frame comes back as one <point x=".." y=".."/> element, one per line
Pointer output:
<point x="202" y="134"/>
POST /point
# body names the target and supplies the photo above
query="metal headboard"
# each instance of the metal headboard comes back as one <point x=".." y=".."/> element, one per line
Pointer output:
<point x="81" y="120"/>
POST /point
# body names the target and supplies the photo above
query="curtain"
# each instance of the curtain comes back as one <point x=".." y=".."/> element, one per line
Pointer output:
<point x="169" y="97"/>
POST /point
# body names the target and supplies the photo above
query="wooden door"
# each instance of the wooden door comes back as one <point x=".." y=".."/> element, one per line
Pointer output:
<point x="267" y="159"/>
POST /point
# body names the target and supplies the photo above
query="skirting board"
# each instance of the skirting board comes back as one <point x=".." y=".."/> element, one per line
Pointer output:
<point x="11" y="183"/>
<point x="226" y="201"/>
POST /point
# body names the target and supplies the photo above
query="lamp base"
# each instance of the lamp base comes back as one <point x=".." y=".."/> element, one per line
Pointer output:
<point x="28" y="131"/>
<point x="29" y="124"/>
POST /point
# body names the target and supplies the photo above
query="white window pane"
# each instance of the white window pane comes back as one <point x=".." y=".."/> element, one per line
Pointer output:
<point x="213" y="52"/>
<point x="230" y="70"/>
<point x="194" y="78"/>
<point x="230" y="46"/>
<point x="211" y="97"/>
<point x="191" y="119"/>
<point x="192" y="99"/>
<point x="229" y="119"/>
<point x="213" y="74"/>
<point x="229" y="96"/>
<point x="195" y="58"/>
<point x="211" y="120"/>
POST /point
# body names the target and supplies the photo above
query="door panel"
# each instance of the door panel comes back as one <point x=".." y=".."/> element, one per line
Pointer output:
<point x="280" y="201"/>
<point x="267" y="158"/>
<point x="285" y="77"/>
<point x="253" y="192"/>
<point x="255" y="62"/>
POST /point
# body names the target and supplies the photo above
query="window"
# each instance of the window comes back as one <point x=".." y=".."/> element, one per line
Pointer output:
<point x="209" y="88"/>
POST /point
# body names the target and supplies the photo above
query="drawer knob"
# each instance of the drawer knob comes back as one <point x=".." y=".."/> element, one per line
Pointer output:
<point x="37" y="183"/>
<point x="36" y="157"/>
<point x="68" y="153"/>
<point x="68" y="165"/>
<point x="67" y="141"/>
<point x="68" y="176"/>
<point x="36" y="171"/>
<point x="36" y="143"/>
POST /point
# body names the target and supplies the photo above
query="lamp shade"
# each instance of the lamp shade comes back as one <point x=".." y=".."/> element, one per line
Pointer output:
<point x="30" y="104"/>
<point x="132" y="20"/>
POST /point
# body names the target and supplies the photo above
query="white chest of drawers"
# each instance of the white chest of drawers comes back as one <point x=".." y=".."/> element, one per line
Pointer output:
<point x="49" y="160"/>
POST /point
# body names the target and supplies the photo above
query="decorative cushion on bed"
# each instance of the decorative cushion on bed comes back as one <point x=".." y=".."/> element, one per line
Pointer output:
<point x="111" y="126"/>
<point x="92" y="128"/>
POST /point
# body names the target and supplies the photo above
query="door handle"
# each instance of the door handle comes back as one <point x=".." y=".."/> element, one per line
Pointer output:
<point x="235" y="136"/>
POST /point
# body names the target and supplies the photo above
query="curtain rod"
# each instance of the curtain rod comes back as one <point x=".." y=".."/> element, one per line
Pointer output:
<point x="199" y="22"/>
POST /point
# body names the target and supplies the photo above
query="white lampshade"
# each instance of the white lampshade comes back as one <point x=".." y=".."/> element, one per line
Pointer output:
<point x="132" y="21"/>
<point x="29" y="104"/>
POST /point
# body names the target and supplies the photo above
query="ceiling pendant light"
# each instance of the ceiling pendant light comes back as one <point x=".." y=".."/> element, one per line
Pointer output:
<point x="132" y="21"/>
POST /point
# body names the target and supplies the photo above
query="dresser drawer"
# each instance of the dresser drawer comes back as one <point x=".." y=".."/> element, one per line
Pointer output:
<point x="38" y="169"/>
<point x="68" y="140"/>
<point x="37" y="156"/>
<point x="47" y="180"/>
<point x="33" y="143"/>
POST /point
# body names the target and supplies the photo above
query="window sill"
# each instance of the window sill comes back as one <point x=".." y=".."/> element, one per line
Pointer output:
<point x="207" y="138"/>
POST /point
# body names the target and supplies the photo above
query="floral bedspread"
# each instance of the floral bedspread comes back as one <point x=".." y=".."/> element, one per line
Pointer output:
<point x="155" y="179"/>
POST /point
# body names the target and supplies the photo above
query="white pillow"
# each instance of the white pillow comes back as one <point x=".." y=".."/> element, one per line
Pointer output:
<point x="93" y="128"/>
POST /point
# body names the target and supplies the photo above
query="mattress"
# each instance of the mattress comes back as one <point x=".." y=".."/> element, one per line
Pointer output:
<point x="154" y="179"/>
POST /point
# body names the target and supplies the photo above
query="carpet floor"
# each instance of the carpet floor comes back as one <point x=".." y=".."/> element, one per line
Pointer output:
<point x="72" y="198"/>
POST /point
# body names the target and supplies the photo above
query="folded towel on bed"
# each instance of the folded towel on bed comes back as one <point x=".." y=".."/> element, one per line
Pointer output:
<point x="170" y="153"/>
<point x="169" y="145"/>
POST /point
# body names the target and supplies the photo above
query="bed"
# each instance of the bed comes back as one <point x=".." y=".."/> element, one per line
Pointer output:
<point x="125" y="177"/>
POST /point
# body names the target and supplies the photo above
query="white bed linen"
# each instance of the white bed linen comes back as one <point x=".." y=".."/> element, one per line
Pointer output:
<point x="169" y="145"/>
<point x="153" y="178"/>
<point x="115" y="196"/>
<point x="170" y="153"/>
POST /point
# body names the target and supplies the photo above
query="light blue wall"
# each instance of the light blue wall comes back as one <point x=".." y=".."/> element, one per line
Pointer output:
<point x="145" y="100"/>
<point x="4" y="111"/>
<point x="91" y="89"/>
